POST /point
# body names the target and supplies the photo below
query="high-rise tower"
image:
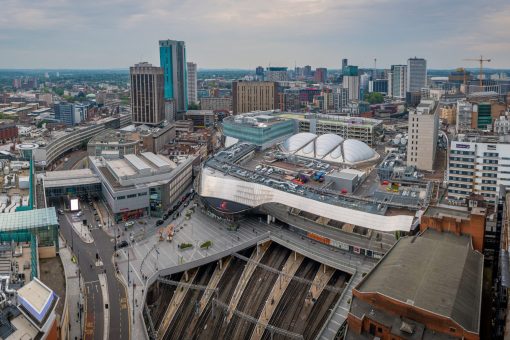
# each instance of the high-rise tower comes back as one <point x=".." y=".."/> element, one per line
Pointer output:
<point x="172" y="56"/>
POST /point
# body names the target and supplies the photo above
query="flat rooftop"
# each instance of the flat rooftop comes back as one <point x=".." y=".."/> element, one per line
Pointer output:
<point x="54" y="179"/>
<point x="29" y="219"/>
<point x="333" y="119"/>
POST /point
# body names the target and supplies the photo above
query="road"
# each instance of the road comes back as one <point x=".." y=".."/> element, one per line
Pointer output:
<point x="73" y="158"/>
<point x="86" y="254"/>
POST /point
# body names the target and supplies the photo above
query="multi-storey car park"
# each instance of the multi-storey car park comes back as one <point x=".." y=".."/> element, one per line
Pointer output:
<point x="264" y="128"/>
<point x="363" y="129"/>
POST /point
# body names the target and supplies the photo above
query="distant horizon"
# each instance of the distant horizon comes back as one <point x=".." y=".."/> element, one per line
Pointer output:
<point x="474" y="69"/>
<point x="230" y="34"/>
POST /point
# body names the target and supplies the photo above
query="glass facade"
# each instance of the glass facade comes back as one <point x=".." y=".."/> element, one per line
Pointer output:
<point x="258" y="135"/>
<point x="484" y="115"/>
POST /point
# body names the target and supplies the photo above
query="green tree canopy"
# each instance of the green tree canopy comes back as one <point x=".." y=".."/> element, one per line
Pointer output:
<point x="374" y="98"/>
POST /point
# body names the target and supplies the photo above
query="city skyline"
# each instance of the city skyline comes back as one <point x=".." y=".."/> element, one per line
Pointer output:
<point x="243" y="35"/>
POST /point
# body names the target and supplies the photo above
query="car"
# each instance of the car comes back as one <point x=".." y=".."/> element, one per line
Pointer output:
<point x="159" y="222"/>
<point x="79" y="214"/>
<point x="122" y="244"/>
<point x="99" y="225"/>
<point x="60" y="212"/>
<point x="129" y="224"/>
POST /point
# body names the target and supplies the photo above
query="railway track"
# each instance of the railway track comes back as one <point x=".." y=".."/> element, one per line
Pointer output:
<point x="256" y="292"/>
<point x="294" y="297"/>
<point x="207" y="327"/>
<point x="320" y="310"/>
<point x="159" y="304"/>
<point x="178" y="328"/>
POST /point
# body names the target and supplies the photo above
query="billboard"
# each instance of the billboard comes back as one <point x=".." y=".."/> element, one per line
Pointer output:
<point x="75" y="206"/>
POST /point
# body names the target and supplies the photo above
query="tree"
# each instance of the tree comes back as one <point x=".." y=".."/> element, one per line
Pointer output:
<point x="193" y="106"/>
<point x="374" y="98"/>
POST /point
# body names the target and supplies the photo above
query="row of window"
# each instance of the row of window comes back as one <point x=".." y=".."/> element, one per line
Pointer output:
<point x="459" y="152"/>
<point x="131" y="196"/>
<point x="460" y="179"/>
<point x="463" y="166"/>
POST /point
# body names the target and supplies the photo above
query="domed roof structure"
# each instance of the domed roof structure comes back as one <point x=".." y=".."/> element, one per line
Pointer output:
<point x="324" y="144"/>
<point x="298" y="141"/>
<point x="356" y="151"/>
<point x="329" y="147"/>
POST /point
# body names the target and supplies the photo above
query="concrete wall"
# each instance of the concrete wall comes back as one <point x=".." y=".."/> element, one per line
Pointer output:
<point x="46" y="252"/>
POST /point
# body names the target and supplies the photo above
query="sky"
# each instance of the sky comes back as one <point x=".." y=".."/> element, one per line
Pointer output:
<point x="247" y="33"/>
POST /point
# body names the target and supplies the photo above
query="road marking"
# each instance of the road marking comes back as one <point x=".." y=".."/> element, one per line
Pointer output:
<point x="92" y="282"/>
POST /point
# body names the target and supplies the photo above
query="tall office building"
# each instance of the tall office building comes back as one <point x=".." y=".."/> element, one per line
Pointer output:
<point x="416" y="74"/>
<point x="397" y="84"/>
<point x="423" y="130"/>
<point x="147" y="94"/>
<point x="64" y="112"/>
<point x="321" y="74"/>
<point x="307" y="71"/>
<point x="464" y="115"/>
<point x="172" y="55"/>
<point x="192" y="83"/>
<point x="276" y="74"/>
<point x="250" y="96"/>
<point x="351" y="81"/>
<point x="259" y="72"/>
<point x="344" y="64"/>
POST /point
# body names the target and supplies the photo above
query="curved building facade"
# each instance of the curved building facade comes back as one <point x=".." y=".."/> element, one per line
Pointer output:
<point x="220" y="186"/>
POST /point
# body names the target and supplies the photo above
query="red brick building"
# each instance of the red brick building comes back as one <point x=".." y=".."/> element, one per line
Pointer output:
<point x="427" y="286"/>
<point x="8" y="131"/>
<point x="458" y="222"/>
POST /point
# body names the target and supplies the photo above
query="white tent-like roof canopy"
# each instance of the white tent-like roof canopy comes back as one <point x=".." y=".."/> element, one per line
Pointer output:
<point x="329" y="147"/>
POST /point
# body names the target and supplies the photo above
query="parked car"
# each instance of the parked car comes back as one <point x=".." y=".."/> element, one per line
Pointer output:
<point x="60" y="212"/>
<point x="122" y="244"/>
<point x="79" y="214"/>
<point x="159" y="222"/>
<point x="129" y="224"/>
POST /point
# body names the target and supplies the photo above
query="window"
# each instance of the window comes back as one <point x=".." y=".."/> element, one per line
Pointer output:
<point x="372" y="329"/>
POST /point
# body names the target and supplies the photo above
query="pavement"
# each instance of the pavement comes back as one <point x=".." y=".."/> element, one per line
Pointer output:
<point x="117" y="320"/>
<point x="148" y="256"/>
<point x="74" y="298"/>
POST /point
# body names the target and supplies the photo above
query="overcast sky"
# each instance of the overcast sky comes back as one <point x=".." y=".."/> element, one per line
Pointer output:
<point x="247" y="33"/>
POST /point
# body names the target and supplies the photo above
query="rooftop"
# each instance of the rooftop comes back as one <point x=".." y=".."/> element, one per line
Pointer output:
<point x="30" y="219"/>
<point x="436" y="272"/>
<point x="111" y="136"/>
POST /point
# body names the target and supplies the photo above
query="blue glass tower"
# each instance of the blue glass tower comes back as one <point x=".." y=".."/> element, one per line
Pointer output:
<point x="172" y="56"/>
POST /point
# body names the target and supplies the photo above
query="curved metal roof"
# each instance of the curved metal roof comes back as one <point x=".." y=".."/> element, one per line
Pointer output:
<point x="357" y="151"/>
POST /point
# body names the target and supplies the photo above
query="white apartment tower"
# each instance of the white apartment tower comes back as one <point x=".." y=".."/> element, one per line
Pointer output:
<point x="397" y="84"/>
<point x="422" y="131"/>
<point x="478" y="165"/>
<point x="192" y="83"/>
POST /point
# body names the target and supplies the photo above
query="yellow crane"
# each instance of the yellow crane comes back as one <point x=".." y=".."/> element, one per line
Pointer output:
<point x="481" y="61"/>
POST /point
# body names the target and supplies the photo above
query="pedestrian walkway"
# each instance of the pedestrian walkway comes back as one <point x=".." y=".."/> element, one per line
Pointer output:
<point x="83" y="231"/>
<point x="73" y="298"/>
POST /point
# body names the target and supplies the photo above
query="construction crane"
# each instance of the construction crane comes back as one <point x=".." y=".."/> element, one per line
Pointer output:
<point x="481" y="61"/>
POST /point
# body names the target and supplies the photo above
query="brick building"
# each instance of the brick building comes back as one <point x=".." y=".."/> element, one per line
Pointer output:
<point x="458" y="222"/>
<point x="8" y="131"/>
<point x="427" y="286"/>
